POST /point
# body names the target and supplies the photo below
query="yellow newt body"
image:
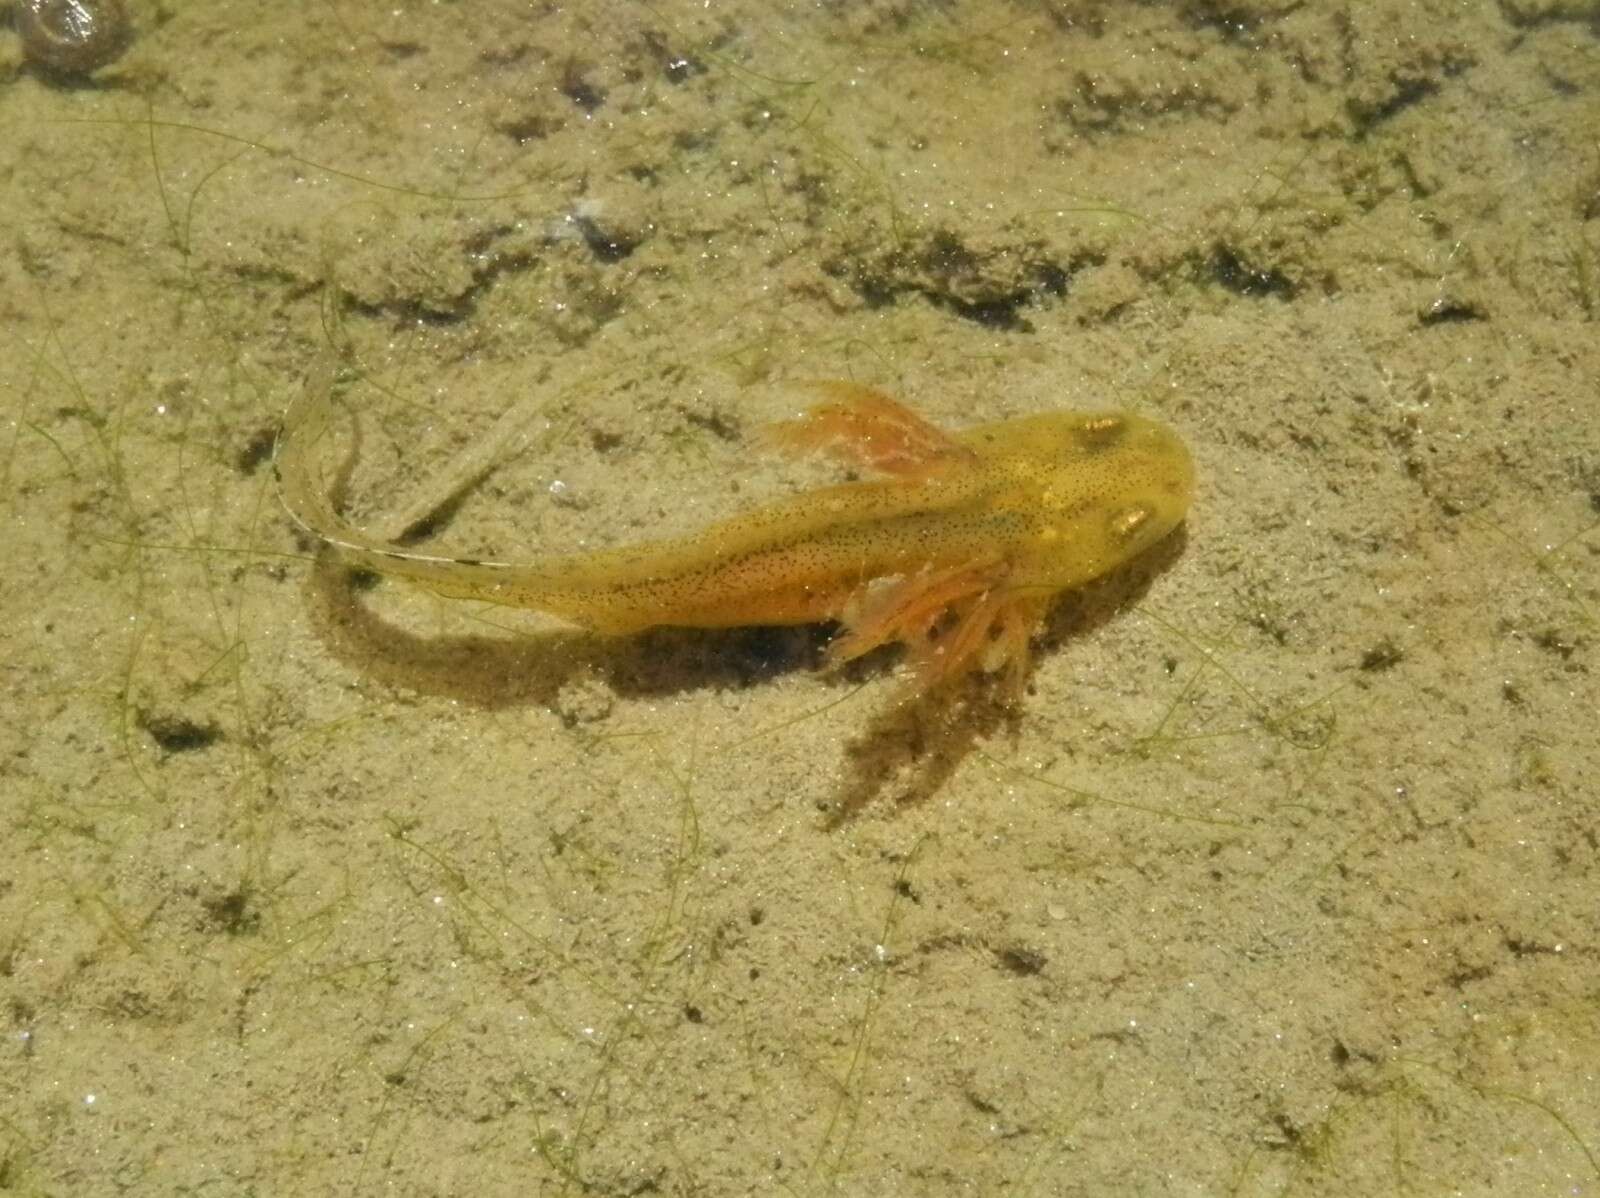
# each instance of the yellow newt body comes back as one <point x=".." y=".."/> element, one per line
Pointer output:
<point x="957" y="552"/>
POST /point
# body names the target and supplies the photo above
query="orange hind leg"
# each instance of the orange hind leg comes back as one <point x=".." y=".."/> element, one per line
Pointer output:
<point x="865" y="427"/>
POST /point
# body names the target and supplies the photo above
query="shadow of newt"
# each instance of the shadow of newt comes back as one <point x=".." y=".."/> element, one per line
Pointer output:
<point x="904" y="754"/>
<point x="956" y="552"/>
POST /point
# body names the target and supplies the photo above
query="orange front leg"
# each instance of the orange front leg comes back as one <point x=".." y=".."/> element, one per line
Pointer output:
<point x="908" y="608"/>
<point x="991" y="632"/>
<point x="952" y="622"/>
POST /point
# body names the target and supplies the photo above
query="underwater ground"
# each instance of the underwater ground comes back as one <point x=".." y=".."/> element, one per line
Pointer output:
<point x="1282" y="878"/>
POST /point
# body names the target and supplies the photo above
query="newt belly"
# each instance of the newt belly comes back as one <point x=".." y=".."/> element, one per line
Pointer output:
<point x="956" y="550"/>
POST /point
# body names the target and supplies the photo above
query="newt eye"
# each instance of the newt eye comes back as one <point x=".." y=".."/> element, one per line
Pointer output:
<point x="1099" y="433"/>
<point x="1127" y="522"/>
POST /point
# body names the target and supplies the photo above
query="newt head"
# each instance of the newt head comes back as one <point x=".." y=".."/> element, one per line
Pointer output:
<point x="1089" y="491"/>
<point x="993" y="523"/>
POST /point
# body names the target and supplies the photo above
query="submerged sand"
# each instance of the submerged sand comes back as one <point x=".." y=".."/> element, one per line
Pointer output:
<point x="1282" y="880"/>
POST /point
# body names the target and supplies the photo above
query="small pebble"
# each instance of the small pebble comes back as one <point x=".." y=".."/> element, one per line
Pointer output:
<point x="72" y="37"/>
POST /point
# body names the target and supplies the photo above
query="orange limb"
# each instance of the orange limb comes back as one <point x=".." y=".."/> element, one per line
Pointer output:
<point x="954" y="621"/>
<point x="991" y="632"/>
<point x="954" y="654"/>
<point x="1018" y="619"/>
<point x="864" y="427"/>
<point x="907" y="609"/>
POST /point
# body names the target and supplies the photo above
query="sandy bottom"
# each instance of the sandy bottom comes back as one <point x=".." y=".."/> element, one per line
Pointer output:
<point x="1281" y="880"/>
